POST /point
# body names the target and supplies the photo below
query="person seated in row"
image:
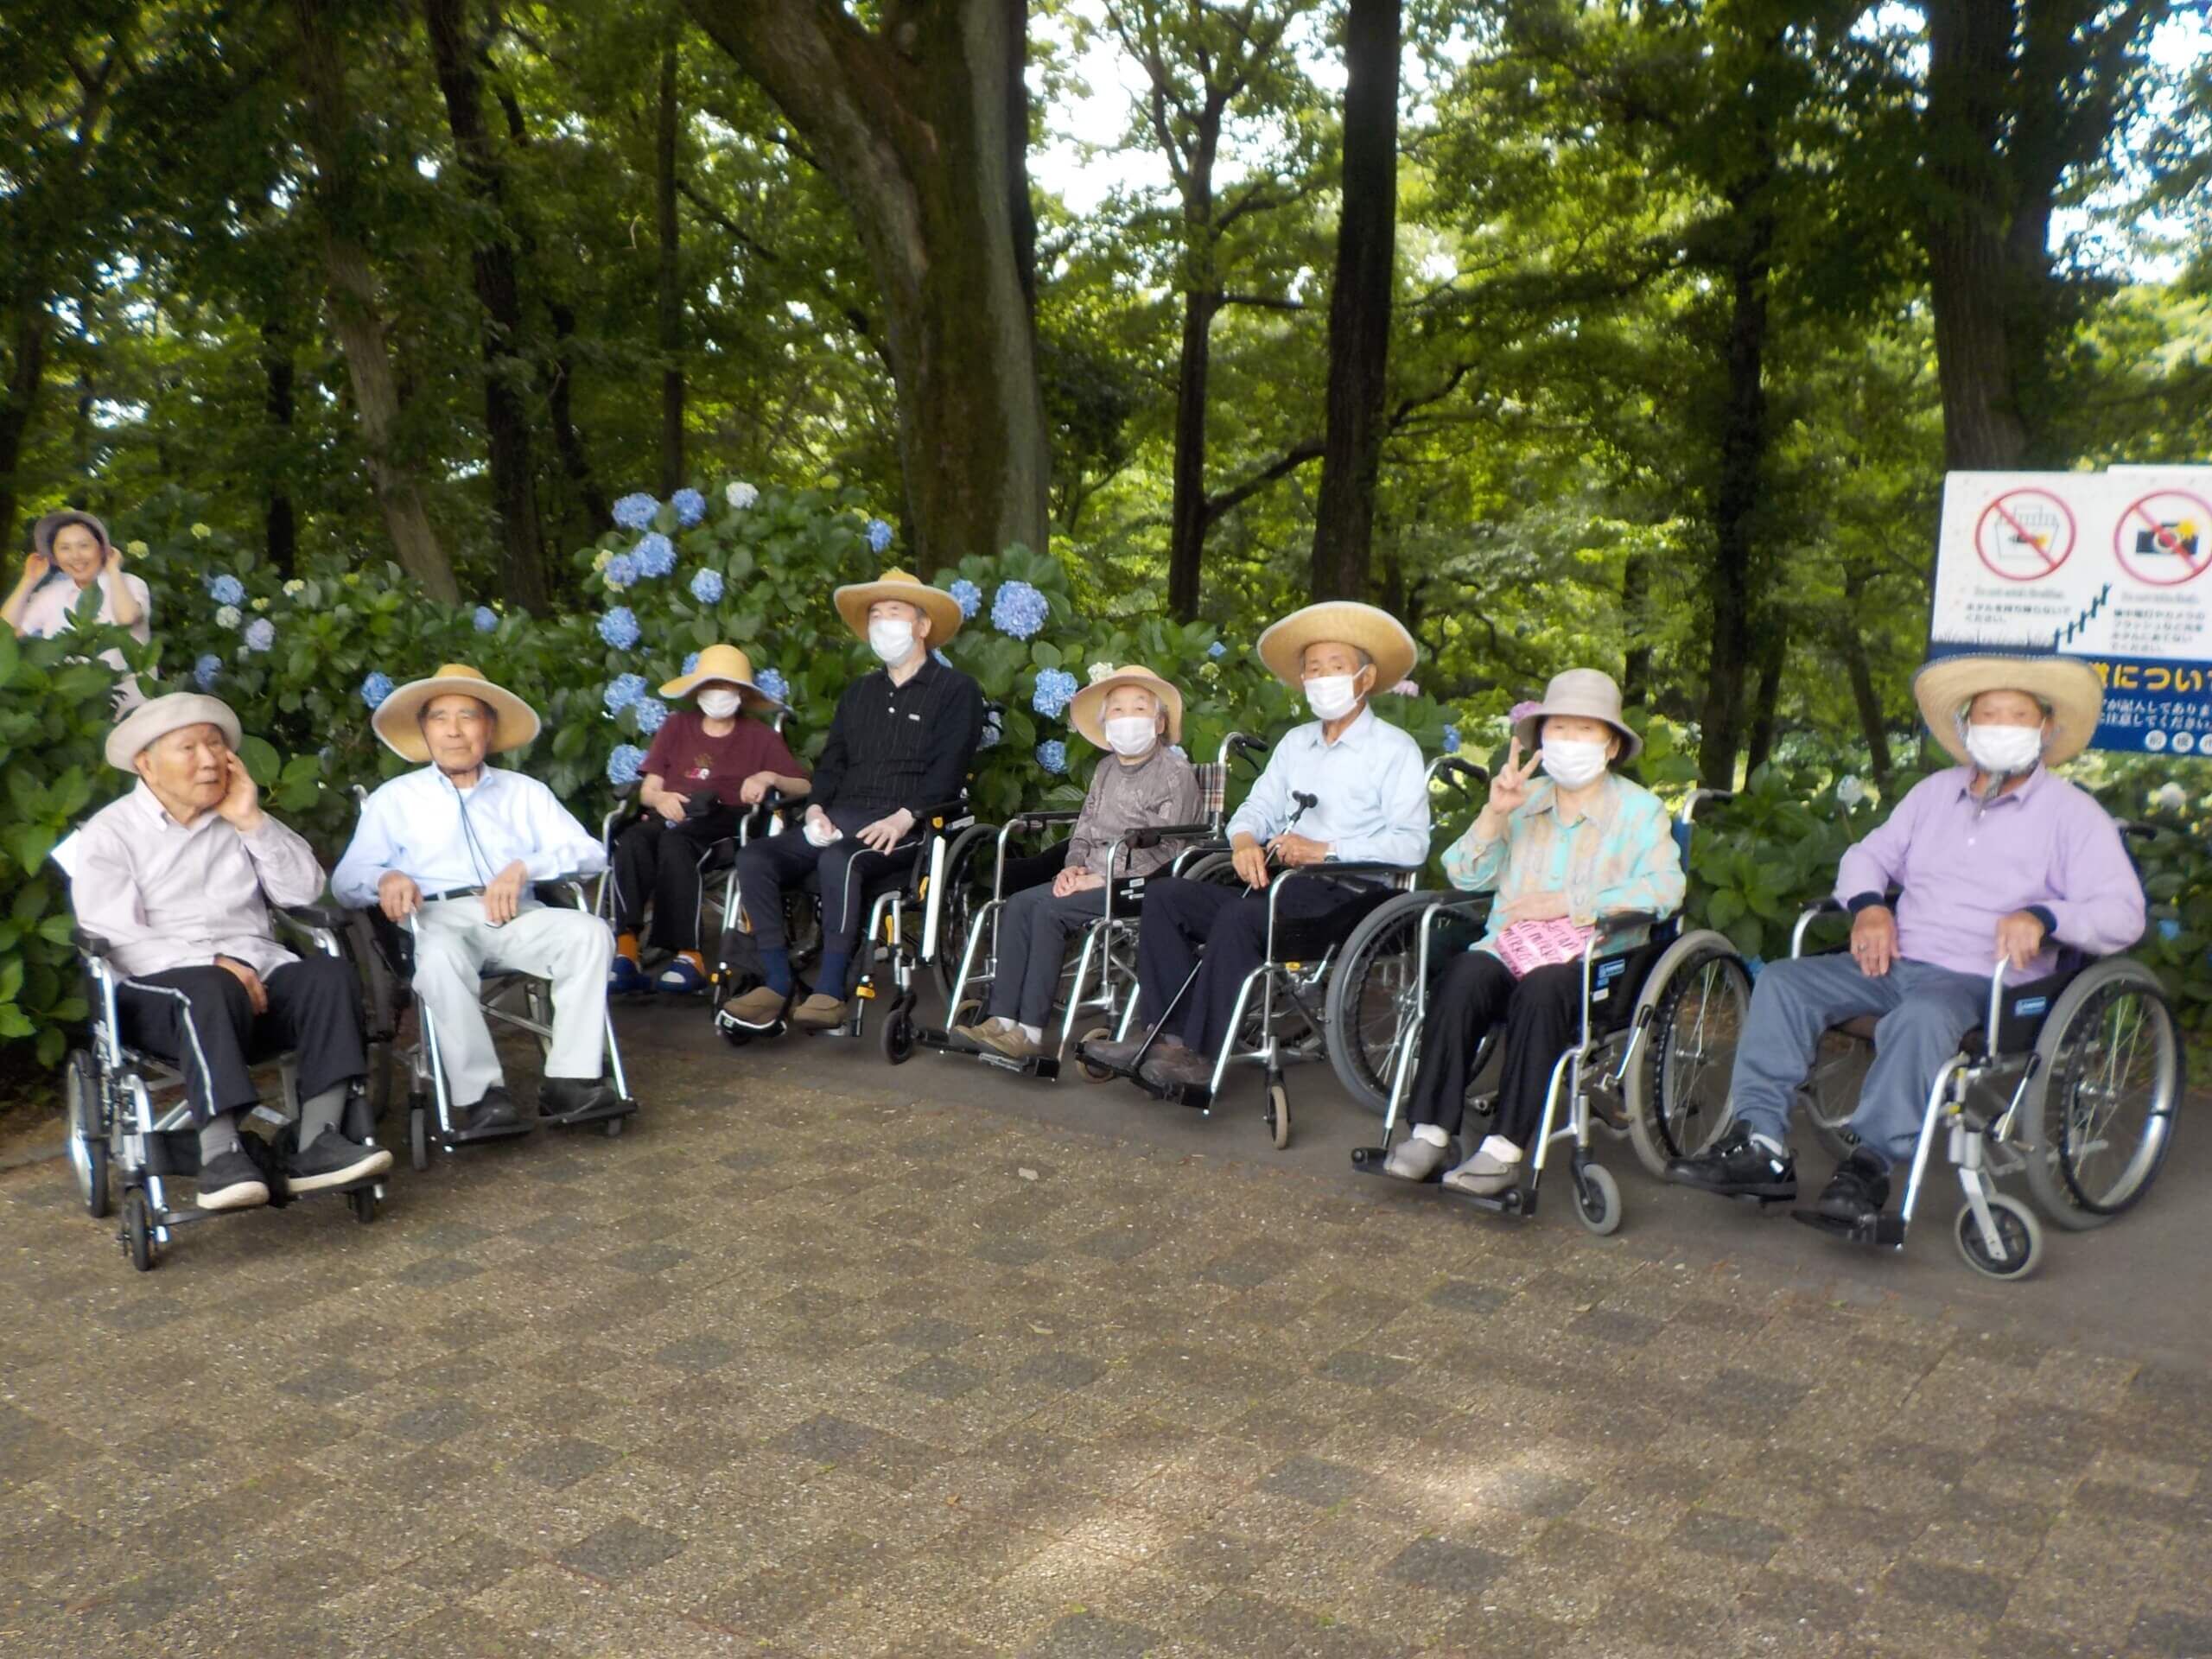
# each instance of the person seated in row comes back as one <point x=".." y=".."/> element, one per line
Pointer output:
<point x="705" y="769"/>
<point x="2000" y="859"/>
<point x="1582" y="845"/>
<point x="175" y="879"/>
<point x="458" y="846"/>
<point x="1344" y="788"/>
<point x="902" y="740"/>
<point x="1136" y="716"/>
<point x="71" y="556"/>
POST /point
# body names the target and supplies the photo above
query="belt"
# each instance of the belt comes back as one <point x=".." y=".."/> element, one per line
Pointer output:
<point x="452" y="892"/>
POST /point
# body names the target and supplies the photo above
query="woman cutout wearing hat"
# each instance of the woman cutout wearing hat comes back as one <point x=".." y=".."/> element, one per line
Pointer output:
<point x="71" y="555"/>
<point x="1135" y="715"/>
<point x="1582" y="845"/>
<point x="703" y="767"/>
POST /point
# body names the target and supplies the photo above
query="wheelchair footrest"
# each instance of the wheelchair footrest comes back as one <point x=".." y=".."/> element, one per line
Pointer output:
<point x="624" y="1107"/>
<point x="1368" y="1160"/>
<point x="1886" y="1232"/>
<point x="521" y="1126"/>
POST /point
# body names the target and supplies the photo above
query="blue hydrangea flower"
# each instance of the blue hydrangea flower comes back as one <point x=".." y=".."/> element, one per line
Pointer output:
<point x="618" y="627"/>
<point x="994" y="731"/>
<point x="621" y="692"/>
<point x="943" y="661"/>
<point x="1052" y="755"/>
<point x="626" y="765"/>
<point x="771" y="683"/>
<point x="707" y="586"/>
<point x="654" y="554"/>
<point x="969" y="596"/>
<point x="877" y="534"/>
<point x="691" y="664"/>
<point x="1018" y="609"/>
<point x="621" y="570"/>
<point x="376" y="688"/>
<point x="205" y="670"/>
<point x="2169" y="928"/>
<point x="226" y="589"/>
<point x="690" y="507"/>
<point x="635" y="511"/>
<point x="487" y="619"/>
<point x="650" y="712"/>
<point x="1450" y="740"/>
<point x="1217" y="650"/>
<point x="1056" y="688"/>
<point x="260" y="633"/>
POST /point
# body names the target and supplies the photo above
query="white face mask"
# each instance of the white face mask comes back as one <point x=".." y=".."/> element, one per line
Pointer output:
<point x="1572" y="762"/>
<point x="1131" y="735"/>
<point x="717" y="703"/>
<point x="1330" y="696"/>
<point x="2005" y="751"/>
<point x="893" y="641"/>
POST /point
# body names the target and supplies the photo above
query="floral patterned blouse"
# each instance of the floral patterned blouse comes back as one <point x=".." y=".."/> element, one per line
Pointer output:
<point x="1619" y="856"/>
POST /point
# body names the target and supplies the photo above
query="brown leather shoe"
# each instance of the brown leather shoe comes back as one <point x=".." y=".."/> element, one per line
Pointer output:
<point x="1015" y="1045"/>
<point x="758" y="1006"/>
<point x="819" y="1013"/>
<point x="1121" y="1055"/>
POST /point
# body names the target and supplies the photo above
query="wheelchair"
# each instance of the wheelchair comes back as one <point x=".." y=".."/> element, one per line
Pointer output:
<point x="2071" y="1081"/>
<point x="128" y="1128"/>
<point x="1322" y="982"/>
<point x="1658" y="1023"/>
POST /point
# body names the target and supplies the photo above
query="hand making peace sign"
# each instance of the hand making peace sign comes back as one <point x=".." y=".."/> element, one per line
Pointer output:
<point x="1509" y="789"/>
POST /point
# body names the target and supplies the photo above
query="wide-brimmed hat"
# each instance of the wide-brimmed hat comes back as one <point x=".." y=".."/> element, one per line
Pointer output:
<point x="723" y="664"/>
<point x="1340" y="622"/>
<point x="1084" y="712"/>
<point x="44" y="531"/>
<point x="162" y="715"/>
<point x="396" y="718"/>
<point x="1587" y="692"/>
<point x="941" y="607"/>
<point x="2065" y="685"/>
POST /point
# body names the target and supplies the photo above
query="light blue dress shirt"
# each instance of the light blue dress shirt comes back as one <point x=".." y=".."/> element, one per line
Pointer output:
<point x="415" y="824"/>
<point x="1370" y="787"/>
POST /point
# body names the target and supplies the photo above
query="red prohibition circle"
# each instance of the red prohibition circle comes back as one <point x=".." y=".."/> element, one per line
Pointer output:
<point x="2145" y="532"/>
<point x="2002" y="518"/>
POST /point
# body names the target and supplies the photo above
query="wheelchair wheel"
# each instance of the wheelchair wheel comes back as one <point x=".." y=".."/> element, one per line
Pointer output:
<point x="967" y="890"/>
<point x="1698" y="998"/>
<point x="2019" y="1236"/>
<point x="1598" y="1199"/>
<point x="84" y="1123"/>
<point x="2100" y="1107"/>
<point x="897" y="1037"/>
<point x="138" y="1231"/>
<point x="1220" y="868"/>
<point x="1278" y="1115"/>
<point x="1371" y="996"/>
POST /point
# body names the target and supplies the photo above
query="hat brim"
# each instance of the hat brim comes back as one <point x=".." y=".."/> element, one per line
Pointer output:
<point x="152" y="721"/>
<point x="941" y="607"/>
<point x="749" y="694"/>
<point x="396" y="720"/>
<point x="1085" y="712"/>
<point x="1944" y="687"/>
<point x="1529" y="729"/>
<point x="53" y="523"/>
<point x="1343" y="622"/>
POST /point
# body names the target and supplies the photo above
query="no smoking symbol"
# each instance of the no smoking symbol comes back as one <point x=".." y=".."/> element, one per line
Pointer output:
<point x="2166" y="538"/>
<point x="2024" y="534"/>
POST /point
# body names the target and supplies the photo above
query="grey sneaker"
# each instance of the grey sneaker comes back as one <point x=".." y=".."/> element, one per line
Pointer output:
<point x="1484" y="1176"/>
<point x="1415" y="1160"/>
<point x="231" y="1180"/>
<point x="332" y="1161"/>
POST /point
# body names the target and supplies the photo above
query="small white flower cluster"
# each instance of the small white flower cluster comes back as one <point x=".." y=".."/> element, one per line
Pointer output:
<point x="1100" y="670"/>
<point x="740" y="495"/>
<point x="1849" y="790"/>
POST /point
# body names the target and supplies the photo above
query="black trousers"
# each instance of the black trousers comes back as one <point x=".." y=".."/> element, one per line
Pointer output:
<point x="198" y="1020"/>
<point x="769" y="867"/>
<point x="665" y="864"/>
<point x="1232" y="923"/>
<point x="1542" y="1014"/>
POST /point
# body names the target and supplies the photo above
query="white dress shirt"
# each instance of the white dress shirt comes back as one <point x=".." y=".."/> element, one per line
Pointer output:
<point x="164" y="894"/>
<point x="1370" y="789"/>
<point x="422" y="826"/>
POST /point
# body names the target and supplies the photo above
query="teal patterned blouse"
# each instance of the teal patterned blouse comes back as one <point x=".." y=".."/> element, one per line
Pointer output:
<point x="1620" y="856"/>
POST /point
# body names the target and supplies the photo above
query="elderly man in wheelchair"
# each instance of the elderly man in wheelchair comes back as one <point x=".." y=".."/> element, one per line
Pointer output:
<point x="172" y="887"/>
<point x="2002" y="864"/>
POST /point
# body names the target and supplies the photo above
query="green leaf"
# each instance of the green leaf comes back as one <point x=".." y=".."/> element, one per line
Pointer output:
<point x="261" y="764"/>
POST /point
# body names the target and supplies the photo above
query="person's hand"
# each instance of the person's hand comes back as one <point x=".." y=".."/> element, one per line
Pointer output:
<point x="1537" y="907"/>
<point x="883" y="835"/>
<point x="751" y="791"/>
<point x="503" y="897"/>
<point x="398" y="896"/>
<point x="1075" y="881"/>
<point x="1508" y="789"/>
<point x="1292" y="850"/>
<point x="114" y="559"/>
<point x="669" y="804"/>
<point x="36" y="567"/>
<point x="2020" y="938"/>
<point x="256" y="992"/>
<point x="241" y="801"/>
<point x="1250" y="860"/>
<point x="1874" y="940"/>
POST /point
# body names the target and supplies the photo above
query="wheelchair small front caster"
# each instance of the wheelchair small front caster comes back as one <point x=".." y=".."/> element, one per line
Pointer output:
<point x="613" y="1126"/>
<point x="362" y="1200"/>
<point x="138" y="1231"/>
<point x="418" y="1135"/>
<point x="1277" y="1113"/>
<point x="1091" y="1073"/>
<point x="898" y="1035"/>
<point x="1598" y="1199"/>
<point x="2019" y="1238"/>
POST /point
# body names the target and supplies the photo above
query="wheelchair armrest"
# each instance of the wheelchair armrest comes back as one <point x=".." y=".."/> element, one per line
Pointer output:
<point x="1830" y="906"/>
<point x="1039" y="820"/>
<point x="329" y="916"/>
<point x="1152" y="835"/>
<point x="944" y="814"/>
<point x="90" y="944"/>
<point x="1364" y="873"/>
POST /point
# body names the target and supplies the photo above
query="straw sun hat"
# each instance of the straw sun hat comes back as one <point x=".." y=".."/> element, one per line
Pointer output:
<point x="396" y="718"/>
<point x="941" y="607"/>
<point x="1085" y="712"/>
<point x="728" y="666"/>
<point x="1340" y="622"/>
<point x="2065" y="685"/>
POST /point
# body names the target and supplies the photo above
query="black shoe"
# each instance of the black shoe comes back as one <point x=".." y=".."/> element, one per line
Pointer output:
<point x="231" y="1180"/>
<point x="573" y="1097"/>
<point x="495" y="1111"/>
<point x="1856" y="1193"/>
<point x="1737" y="1167"/>
<point x="332" y="1161"/>
<point x="1120" y="1056"/>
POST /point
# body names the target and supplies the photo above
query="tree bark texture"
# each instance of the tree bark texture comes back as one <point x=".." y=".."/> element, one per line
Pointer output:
<point x="493" y="267"/>
<point x="1766" y="696"/>
<point x="26" y="379"/>
<point x="1359" y="304"/>
<point x="356" y="321"/>
<point x="1860" y="673"/>
<point x="279" y="525"/>
<point x="575" y="460"/>
<point x="921" y="125"/>
<point x="670" y="305"/>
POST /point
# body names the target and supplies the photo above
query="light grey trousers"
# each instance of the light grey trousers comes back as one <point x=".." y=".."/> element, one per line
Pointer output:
<point x="454" y="946"/>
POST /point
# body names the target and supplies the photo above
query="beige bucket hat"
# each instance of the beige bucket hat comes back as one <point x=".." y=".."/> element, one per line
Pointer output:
<point x="395" y="720"/>
<point x="1345" y="622"/>
<point x="2065" y="685"/>
<point x="1588" y="692"/>
<point x="158" y="718"/>
<point x="1084" y="712"/>
<point x="729" y="666"/>
<point x="942" y="609"/>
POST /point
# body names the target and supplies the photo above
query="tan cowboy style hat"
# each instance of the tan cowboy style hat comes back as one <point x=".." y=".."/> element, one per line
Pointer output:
<point x="1340" y="622"/>
<point x="941" y="607"/>
<point x="2065" y="685"/>
<point x="728" y="666"/>
<point x="157" y="719"/>
<point x="396" y="718"/>
<point x="1588" y="692"/>
<point x="1083" y="711"/>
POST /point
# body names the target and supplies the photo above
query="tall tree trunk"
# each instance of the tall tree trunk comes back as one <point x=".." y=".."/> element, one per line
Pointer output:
<point x="1187" y="519"/>
<point x="671" y="281"/>
<point x="576" y="461"/>
<point x="1853" y="645"/>
<point x="492" y="265"/>
<point x="1359" y="303"/>
<point x="26" y="379"/>
<point x="923" y="129"/>
<point x="1635" y="597"/>
<point x="279" y="528"/>
<point x="355" y="319"/>
<point x="1766" y="698"/>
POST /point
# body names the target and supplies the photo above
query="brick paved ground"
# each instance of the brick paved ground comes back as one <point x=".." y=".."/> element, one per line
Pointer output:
<point x="813" y="1373"/>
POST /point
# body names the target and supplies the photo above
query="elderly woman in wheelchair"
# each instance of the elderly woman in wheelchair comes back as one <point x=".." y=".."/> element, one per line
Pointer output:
<point x="1586" y="853"/>
<point x="2000" y="861"/>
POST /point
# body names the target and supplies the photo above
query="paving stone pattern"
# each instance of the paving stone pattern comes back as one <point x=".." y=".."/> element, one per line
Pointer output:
<point x="804" y="1373"/>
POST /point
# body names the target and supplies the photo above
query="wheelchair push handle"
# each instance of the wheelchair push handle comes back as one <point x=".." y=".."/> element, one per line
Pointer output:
<point x="1459" y="774"/>
<point x="1698" y="798"/>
